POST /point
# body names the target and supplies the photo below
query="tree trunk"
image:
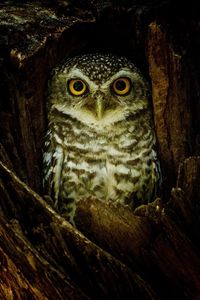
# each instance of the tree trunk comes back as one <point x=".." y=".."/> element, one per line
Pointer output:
<point x="113" y="253"/>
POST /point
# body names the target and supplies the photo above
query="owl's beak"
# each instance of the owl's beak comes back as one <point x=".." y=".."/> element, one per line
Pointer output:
<point x="99" y="108"/>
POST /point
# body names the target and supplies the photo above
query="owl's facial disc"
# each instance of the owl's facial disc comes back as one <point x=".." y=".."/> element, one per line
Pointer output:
<point x="98" y="90"/>
<point x="96" y="103"/>
<point x="100" y="104"/>
<point x="95" y="99"/>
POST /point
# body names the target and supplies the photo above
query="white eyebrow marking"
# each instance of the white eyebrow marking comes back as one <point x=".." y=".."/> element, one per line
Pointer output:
<point x="126" y="72"/>
<point x="76" y="73"/>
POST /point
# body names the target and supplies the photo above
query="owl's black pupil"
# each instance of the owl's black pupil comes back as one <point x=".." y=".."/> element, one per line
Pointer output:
<point x="78" y="86"/>
<point x="120" y="85"/>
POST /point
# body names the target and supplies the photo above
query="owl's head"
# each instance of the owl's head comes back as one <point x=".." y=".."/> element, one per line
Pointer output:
<point x="98" y="89"/>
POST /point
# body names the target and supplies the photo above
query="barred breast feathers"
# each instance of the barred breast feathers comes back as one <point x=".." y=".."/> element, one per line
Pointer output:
<point x="111" y="155"/>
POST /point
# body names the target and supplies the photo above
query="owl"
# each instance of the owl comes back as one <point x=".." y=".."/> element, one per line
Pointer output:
<point x="100" y="139"/>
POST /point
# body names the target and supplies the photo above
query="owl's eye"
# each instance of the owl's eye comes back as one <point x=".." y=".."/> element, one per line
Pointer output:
<point x="77" y="87"/>
<point x="122" y="86"/>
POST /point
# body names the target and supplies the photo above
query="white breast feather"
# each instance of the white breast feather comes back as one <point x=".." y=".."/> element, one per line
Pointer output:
<point x="89" y="118"/>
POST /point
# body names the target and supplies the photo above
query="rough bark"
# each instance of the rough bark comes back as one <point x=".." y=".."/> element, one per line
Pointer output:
<point x="153" y="240"/>
<point x="171" y="101"/>
<point x="114" y="253"/>
<point x="51" y="255"/>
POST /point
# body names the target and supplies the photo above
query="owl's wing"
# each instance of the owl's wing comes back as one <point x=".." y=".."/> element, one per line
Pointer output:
<point x="158" y="177"/>
<point x="53" y="158"/>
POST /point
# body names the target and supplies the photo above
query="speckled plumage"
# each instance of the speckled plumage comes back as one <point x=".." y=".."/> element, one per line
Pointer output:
<point x="110" y="157"/>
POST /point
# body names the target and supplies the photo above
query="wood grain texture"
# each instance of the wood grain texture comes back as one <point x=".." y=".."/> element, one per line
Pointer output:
<point x="171" y="101"/>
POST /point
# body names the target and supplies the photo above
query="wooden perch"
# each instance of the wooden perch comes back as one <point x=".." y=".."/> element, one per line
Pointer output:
<point x="25" y="273"/>
<point x="148" y="241"/>
<point x="139" y="241"/>
<point x="50" y="240"/>
<point x="115" y="228"/>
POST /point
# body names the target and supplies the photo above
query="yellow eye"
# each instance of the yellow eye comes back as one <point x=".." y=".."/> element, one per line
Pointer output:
<point x="122" y="86"/>
<point x="77" y="87"/>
